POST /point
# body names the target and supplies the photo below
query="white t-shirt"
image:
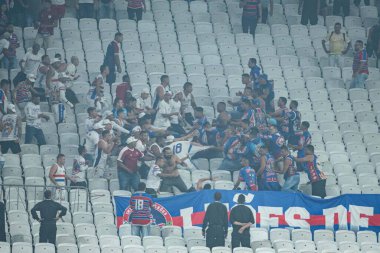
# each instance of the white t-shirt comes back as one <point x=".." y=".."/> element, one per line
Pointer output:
<point x="186" y="103"/>
<point x="89" y="123"/>
<point x="143" y="103"/>
<point x="92" y="139"/>
<point x="32" y="62"/>
<point x="4" y="44"/>
<point x="163" y="108"/>
<point x="175" y="107"/>
<point x="32" y="111"/>
<point x="153" y="181"/>
<point x="140" y="146"/>
<point x="79" y="169"/>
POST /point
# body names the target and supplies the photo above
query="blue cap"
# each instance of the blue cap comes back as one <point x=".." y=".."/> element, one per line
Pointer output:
<point x="272" y="122"/>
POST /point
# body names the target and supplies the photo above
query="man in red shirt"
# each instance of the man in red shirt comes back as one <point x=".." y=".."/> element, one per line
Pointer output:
<point x="122" y="88"/>
<point x="45" y="26"/>
<point x="127" y="168"/>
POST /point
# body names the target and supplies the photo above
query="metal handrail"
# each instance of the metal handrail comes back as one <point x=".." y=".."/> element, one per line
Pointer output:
<point x="44" y="187"/>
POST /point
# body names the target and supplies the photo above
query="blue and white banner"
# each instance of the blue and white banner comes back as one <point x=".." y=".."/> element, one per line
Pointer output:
<point x="271" y="209"/>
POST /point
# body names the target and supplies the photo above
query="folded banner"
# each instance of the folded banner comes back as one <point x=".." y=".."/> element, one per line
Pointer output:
<point x="271" y="209"/>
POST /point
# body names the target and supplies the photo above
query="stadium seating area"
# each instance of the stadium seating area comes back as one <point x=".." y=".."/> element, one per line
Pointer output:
<point x="202" y="43"/>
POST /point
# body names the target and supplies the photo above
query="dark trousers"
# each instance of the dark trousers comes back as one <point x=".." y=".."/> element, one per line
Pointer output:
<point x="111" y="78"/>
<point x="78" y="184"/>
<point x="309" y="14"/>
<point x="37" y="133"/>
<point x="319" y="188"/>
<point x="169" y="182"/>
<point x="132" y="13"/>
<point x="249" y="24"/>
<point x="86" y="10"/>
<point x="189" y="118"/>
<point x="357" y="2"/>
<point x="338" y="4"/>
<point x="264" y="14"/>
<point x="3" y="237"/>
<point x="240" y="240"/>
<point x="215" y="237"/>
<point x="48" y="232"/>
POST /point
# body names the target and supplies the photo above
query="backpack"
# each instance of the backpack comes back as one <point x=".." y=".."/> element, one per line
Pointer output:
<point x="344" y="36"/>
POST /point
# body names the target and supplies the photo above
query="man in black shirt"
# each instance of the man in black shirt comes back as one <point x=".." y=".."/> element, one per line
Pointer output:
<point x="241" y="218"/>
<point x="49" y="215"/>
<point x="216" y="222"/>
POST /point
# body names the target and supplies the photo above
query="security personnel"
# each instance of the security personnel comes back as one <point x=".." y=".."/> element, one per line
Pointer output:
<point x="216" y="222"/>
<point x="49" y="215"/>
<point x="241" y="218"/>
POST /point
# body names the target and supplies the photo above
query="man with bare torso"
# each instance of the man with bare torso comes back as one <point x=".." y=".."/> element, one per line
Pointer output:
<point x="170" y="174"/>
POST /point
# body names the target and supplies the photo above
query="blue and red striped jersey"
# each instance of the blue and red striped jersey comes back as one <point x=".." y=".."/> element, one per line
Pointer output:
<point x="141" y="204"/>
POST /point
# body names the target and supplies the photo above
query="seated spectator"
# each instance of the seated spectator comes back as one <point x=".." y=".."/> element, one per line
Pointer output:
<point x="188" y="103"/>
<point x="247" y="175"/>
<point x="268" y="177"/>
<point x="122" y="88"/>
<point x="170" y="175"/>
<point x="80" y="165"/>
<point x="144" y="102"/>
<point x="33" y="122"/>
<point x="11" y="131"/>
<point x="291" y="176"/>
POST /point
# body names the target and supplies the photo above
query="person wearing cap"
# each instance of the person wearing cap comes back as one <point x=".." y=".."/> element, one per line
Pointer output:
<point x="188" y="103"/>
<point x="33" y="122"/>
<point x="29" y="64"/>
<point x="176" y="119"/>
<point x="144" y="102"/>
<point x="45" y="25"/>
<point x="122" y="88"/>
<point x="127" y="166"/>
<point x="23" y="92"/>
<point x="91" y="141"/>
<point x="11" y="131"/>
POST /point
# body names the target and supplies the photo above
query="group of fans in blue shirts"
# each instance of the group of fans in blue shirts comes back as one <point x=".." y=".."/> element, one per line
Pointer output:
<point x="264" y="142"/>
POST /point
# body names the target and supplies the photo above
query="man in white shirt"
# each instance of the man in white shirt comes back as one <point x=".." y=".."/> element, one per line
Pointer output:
<point x="91" y="141"/>
<point x="144" y="102"/>
<point x="153" y="181"/>
<point x="29" y="64"/>
<point x="164" y="112"/>
<point x="175" y="105"/>
<point x="33" y="122"/>
<point x="93" y="118"/>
